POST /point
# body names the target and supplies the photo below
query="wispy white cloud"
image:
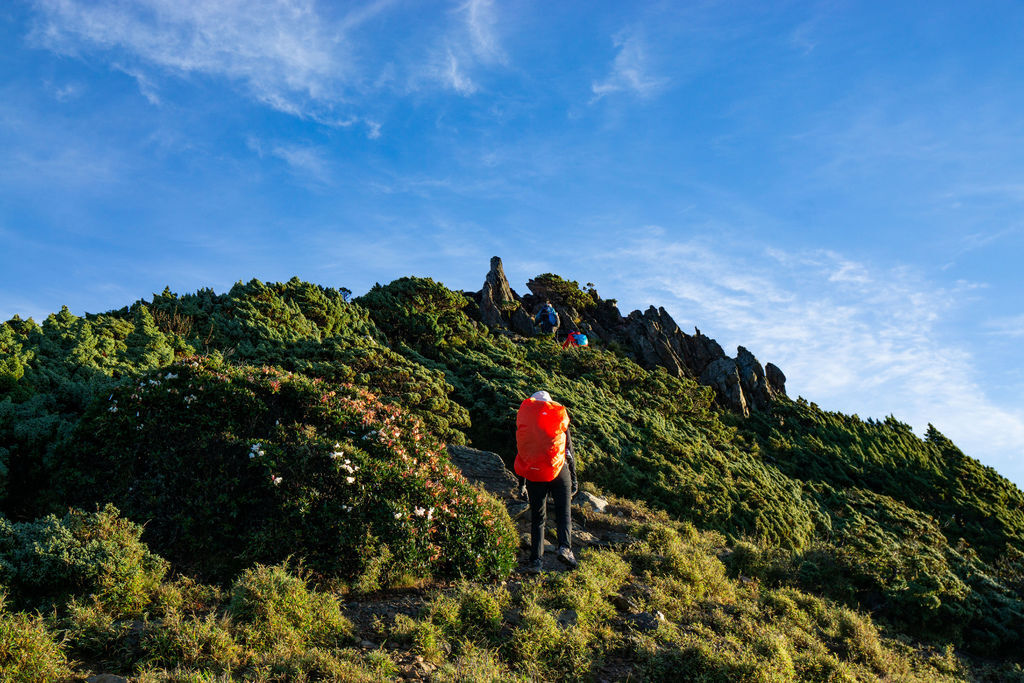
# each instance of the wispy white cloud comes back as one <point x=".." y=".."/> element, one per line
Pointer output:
<point x="280" y="50"/>
<point x="66" y="92"/>
<point x="1012" y="326"/>
<point x="296" y="56"/>
<point x="848" y="335"/>
<point x="803" y="37"/>
<point x="470" y="43"/>
<point x="630" y="70"/>
<point x="481" y="22"/>
<point x="305" y="161"/>
<point x="456" y="78"/>
<point x="146" y="86"/>
<point x="283" y="52"/>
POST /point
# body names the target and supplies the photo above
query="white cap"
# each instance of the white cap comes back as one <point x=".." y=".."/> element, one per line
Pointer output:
<point x="542" y="396"/>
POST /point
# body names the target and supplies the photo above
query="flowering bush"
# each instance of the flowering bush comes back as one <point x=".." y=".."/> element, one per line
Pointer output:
<point x="233" y="465"/>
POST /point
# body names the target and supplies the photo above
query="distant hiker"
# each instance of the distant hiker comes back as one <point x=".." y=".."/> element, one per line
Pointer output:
<point x="575" y="339"/>
<point x="547" y="318"/>
<point x="544" y="459"/>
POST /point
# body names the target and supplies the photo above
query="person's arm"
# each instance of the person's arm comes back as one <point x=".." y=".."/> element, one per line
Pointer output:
<point x="570" y="460"/>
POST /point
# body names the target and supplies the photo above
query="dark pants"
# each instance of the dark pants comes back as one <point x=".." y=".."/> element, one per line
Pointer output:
<point x="538" y="491"/>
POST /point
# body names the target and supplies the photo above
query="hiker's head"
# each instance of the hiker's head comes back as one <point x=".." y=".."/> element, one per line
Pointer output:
<point x="541" y="396"/>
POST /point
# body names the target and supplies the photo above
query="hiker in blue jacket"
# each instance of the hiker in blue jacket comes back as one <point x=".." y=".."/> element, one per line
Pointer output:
<point x="547" y="318"/>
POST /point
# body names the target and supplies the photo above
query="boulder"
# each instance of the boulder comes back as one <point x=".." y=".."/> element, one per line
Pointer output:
<point x="776" y="380"/>
<point x="485" y="469"/>
<point x="596" y="503"/>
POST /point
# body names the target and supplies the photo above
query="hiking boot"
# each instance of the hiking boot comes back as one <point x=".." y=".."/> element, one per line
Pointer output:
<point x="534" y="567"/>
<point x="565" y="555"/>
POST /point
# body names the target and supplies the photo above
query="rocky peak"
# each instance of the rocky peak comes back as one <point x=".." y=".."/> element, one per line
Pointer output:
<point x="652" y="337"/>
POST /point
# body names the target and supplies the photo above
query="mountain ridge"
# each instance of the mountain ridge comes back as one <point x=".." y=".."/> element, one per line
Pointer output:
<point x="652" y="336"/>
<point x="862" y="513"/>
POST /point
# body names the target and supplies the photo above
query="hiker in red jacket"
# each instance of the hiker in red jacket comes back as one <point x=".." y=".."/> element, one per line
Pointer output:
<point x="544" y="458"/>
<point x="575" y="339"/>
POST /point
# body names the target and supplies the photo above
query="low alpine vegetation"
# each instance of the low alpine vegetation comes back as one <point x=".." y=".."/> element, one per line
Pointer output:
<point x="234" y="465"/>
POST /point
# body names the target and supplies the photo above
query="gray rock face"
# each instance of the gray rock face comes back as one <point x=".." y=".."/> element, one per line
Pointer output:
<point x="723" y="376"/>
<point x="500" y="306"/>
<point x="776" y="380"/>
<point x="652" y="337"/>
<point x="740" y="383"/>
<point x="485" y="469"/>
<point x="655" y="337"/>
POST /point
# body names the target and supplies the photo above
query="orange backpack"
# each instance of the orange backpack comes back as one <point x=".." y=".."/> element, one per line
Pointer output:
<point x="540" y="437"/>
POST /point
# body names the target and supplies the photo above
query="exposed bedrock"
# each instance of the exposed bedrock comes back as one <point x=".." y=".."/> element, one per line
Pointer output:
<point x="652" y="337"/>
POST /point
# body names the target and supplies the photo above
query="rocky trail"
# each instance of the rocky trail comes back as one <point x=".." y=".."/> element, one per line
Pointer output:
<point x="596" y="524"/>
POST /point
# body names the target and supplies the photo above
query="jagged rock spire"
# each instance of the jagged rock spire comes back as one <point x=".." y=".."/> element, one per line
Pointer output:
<point x="500" y="306"/>
<point x="653" y="338"/>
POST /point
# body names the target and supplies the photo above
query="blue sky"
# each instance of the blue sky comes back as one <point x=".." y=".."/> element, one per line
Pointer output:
<point x="837" y="186"/>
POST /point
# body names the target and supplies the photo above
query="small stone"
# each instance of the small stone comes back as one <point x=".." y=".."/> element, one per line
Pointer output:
<point x="645" y="621"/>
<point x="589" y="499"/>
<point x="567" y="618"/>
<point x="518" y="511"/>
<point x="368" y="644"/>
<point x="625" y="604"/>
<point x="106" y="678"/>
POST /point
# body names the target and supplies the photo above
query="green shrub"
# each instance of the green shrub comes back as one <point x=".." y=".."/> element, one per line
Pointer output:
<point x="290" y="466"/>
<point x="192" y="641"/>
<point x="84" y="554"/>
<point x="481" y="609"/>
<point x="423" y="637"/>
<point x="474" y="665"/>
<point x="274" y="606"/>
<point x="564" y="291"/>
<point x="862" y="511"/>
<point x="28" y="652"/>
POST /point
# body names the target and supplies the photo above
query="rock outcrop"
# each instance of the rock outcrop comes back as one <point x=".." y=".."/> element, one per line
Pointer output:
<point x="486" y="470"/>
<point x="652" y="337"/>
<point x="500" y="306"/>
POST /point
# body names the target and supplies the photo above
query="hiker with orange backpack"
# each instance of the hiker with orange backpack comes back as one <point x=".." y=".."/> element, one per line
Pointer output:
<point x="545" y="460"/>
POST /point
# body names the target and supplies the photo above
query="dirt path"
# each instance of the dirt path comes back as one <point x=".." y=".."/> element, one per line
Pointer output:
<point x="374" y="614"/>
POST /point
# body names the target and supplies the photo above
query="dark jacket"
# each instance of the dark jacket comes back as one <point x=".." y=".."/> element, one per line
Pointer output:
<point x="542" y="319"/>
